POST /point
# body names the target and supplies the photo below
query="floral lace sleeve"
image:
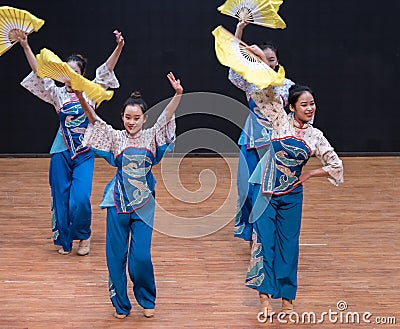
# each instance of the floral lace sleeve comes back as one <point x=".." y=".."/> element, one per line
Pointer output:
<point x="330" y="160"/>
<point x="284" y="90"/>
<point x="164" y="131"/>
<point x="106" y="78"/>
<point x="44" y="88"/>
<point x="268" y="101"/>
<point x="102" y="137"/>
<point x="241" y="83"/>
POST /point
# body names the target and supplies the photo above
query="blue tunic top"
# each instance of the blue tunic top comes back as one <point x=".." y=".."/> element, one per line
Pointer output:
<point x="134" y="156"/>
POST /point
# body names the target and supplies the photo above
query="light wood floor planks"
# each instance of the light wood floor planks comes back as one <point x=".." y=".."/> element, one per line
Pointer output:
<point x="350" y="250"/>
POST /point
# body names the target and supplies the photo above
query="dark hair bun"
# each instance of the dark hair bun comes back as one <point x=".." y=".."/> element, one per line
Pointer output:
<point x="136" y="94"/>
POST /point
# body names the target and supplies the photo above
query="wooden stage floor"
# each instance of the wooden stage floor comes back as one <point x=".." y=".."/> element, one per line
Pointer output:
<point x="349" y="253"/>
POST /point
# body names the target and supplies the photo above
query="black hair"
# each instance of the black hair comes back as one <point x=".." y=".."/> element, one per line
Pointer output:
<point x="270" y="45"/>
<point x="295" y="91"/>
<point x="135" y="99"/>
<point x="79" y="60"/>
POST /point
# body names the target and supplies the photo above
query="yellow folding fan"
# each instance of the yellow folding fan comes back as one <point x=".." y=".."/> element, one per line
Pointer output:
<point x="12" y="19"/>
<point x="260" y="12"/>
<point x="232" y="52"/>
<point x="49" y="65"/>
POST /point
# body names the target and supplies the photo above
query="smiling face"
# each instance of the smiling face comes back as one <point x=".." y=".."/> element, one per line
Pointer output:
<point x="304" y="108"/>
<point x="133" y="119"/>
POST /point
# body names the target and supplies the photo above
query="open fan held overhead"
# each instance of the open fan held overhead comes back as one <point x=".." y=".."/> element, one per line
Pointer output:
<point x="12" y="19"/>
<point x="49" y="65"/>
<point x="232" y="52"/>
<point x="260" y="12"/>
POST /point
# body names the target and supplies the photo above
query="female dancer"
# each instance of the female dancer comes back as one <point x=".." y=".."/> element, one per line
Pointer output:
<point x="278" y="192"/>
<point x="129" y="196"/>
<point x="254" y="138"/>
<point x="71" y="164"/>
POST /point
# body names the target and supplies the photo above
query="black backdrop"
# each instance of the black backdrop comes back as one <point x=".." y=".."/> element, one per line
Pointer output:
<point x="347" y="51"/>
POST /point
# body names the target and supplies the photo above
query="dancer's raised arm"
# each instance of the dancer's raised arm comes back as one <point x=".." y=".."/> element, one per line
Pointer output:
<point x="173" y="104"/>
<point x="239" y="29"/>
<point x="30" y="56"/>
<point x="113" y="59"/>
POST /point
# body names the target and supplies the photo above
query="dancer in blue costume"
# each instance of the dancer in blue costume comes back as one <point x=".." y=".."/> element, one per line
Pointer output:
<point x="71" y="164"/>
<point x="278" y="192"/>
<point x="129" y="196"/>
<point x="254" y="139"/>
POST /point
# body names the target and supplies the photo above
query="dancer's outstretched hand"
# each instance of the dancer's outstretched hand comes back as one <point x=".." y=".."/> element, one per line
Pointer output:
<point x="20" y="36"/>
<point x="175" y="83"/>
<point x="119" y="38"/>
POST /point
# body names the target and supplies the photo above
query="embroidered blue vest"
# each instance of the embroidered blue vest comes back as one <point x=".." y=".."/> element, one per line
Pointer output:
<point x="291" y="154"/>
<point x="73" y="123"/>
<point x="131" y="189"/>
